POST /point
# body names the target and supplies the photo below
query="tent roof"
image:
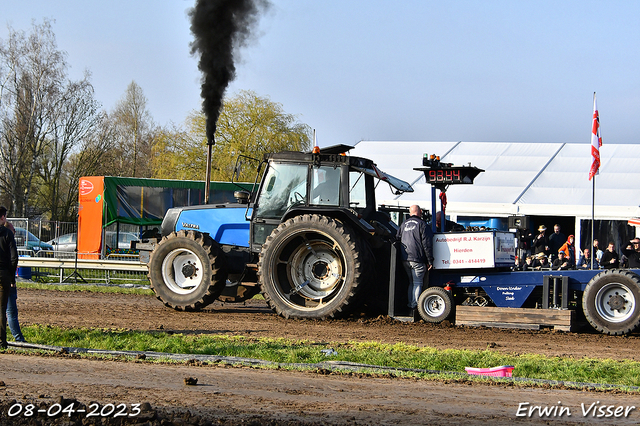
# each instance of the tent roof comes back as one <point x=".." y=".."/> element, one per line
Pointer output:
<point x="519" y="178"/>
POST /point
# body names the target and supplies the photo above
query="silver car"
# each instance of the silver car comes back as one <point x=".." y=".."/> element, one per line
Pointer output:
<point x="67" y="242"/>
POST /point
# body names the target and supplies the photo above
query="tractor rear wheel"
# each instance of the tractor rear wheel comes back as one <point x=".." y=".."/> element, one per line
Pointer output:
<point x="311" y="266"/>
<point x="187" y="270"/>
<point x="611" y="301"/>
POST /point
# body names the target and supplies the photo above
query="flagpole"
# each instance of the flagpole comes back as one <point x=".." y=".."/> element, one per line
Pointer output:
<point x="593" y="196"/>
<point x="593" y="214"/>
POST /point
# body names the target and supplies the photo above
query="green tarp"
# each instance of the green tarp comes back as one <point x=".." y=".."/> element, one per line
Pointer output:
<point x="144" y="202"/>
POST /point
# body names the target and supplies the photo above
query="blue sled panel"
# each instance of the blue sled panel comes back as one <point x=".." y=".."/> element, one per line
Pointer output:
<point x="509" y="289"/>
<point x="509" y="296"/>
<point x="225" y="225"/>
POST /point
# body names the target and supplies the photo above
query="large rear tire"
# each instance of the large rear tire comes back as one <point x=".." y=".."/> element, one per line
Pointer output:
<point x="311" y="266"/>
<point x="611" y="301"/>
<point x="187" y="270"/>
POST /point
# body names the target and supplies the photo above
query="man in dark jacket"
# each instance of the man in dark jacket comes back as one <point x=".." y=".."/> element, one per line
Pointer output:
<point x="556" y="240"/>
<point x="632" y="251"/>
<point x="540" y="243"/>
<point x="610" y="258"/>
<point x="8" y="266"/>
<point x="416" y="249"/>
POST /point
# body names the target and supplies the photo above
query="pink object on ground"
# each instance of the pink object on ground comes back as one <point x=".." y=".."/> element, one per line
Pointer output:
<point x="502" y="371"/>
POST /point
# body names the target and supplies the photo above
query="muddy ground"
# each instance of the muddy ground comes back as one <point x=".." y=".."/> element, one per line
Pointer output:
<point x="226" y="395"/>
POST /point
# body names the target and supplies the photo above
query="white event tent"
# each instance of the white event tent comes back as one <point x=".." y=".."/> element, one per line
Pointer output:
<point x="544" y="180"/>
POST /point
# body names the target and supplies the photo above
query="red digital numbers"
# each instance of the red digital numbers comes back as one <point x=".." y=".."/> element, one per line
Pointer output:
<point x="444" y="175"/>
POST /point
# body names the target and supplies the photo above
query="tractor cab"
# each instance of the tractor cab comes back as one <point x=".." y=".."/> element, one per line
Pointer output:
<point x="328" y="182"/>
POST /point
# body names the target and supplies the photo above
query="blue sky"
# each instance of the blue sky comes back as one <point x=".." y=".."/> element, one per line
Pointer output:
<point x="379" y="70"/>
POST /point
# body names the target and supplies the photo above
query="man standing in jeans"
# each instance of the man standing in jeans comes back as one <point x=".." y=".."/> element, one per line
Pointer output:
<point x="8" y="266"/>
<point x="416" y="248"/>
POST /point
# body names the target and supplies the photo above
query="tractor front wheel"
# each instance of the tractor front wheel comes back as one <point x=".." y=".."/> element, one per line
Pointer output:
<point x="187" y="270"/>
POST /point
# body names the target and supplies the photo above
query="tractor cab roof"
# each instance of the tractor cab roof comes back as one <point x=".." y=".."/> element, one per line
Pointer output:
<point x="336" y="156"/>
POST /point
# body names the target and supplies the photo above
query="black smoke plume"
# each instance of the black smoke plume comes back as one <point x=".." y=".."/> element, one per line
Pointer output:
<point x="220" y="28"/>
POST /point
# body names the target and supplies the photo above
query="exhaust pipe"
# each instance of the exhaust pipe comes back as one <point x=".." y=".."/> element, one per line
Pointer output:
<point x="211" y="142"/>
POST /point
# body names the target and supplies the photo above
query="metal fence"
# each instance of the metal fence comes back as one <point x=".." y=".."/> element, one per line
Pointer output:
<point x="42" y="261"/>
<point x="82" y="270"/>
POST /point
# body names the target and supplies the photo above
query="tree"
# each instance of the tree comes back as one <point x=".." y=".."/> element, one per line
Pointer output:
<point x="248" y="124"/>
<point x="76" y="121"/>
<point x="32" y="79"/>
<point x="135" y="133"/>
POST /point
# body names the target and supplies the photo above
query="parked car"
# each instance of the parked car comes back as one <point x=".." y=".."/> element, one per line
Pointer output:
<point x="67" y="242"/>
<point x="124" y="239"/>
<point x="26" y="240"/>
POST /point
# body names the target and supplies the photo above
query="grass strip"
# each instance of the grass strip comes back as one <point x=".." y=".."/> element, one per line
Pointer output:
<point x="399" y="355"/>
<point x="85" y="287"/>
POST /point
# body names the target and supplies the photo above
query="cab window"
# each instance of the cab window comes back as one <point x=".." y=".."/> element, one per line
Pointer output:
<point x="325" y="186"/>
<point x="284" y="186"/>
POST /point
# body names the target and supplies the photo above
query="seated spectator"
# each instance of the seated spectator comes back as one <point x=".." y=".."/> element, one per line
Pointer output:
<point x="541" y="262"/>
<point x="632" y="251"/>
<point x="596" y="250"/>
<point x="528" y="264"/>
<point x="585" y="260"/>
<point x="561" y="263"/>
<point x="569" y="251"/>
<point x="610" y="258"/>
<point x="517" y="266"/>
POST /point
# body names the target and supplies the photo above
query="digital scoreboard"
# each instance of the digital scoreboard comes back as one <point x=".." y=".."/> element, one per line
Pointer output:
<point x="442" y="175"/>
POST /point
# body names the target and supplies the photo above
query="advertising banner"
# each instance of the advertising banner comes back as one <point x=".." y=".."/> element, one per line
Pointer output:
<point x="91" y="202"/>
<point x="473" y="250"/>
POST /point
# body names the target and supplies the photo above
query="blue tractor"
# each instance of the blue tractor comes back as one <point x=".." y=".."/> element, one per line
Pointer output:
<point x="309" y="237"/>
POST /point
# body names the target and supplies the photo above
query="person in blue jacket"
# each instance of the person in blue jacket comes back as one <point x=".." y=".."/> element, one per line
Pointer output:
<point x="416" y="249"/>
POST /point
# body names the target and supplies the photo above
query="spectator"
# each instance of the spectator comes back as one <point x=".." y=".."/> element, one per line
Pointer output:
<point x="569" y="251"/>
<point x="12" y="305"/>
<point x="556" y="240"/>
<point x="525" y="237"/>
<point x="632" y="251"/>
<point x="528" y="264"/>
<point x="596" y="250"/>
<point x="541" y="262"/>
<point x="8" y="266"/>
<point x="610" y="258"/>
<point x="541" y="241"/>
<point x="585" y="260"/>
<point x="561" y="263"/>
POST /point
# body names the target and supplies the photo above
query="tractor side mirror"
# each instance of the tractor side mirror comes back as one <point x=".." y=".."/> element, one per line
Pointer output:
<point x="242" y="196"/>
<point x="237" y="169"/>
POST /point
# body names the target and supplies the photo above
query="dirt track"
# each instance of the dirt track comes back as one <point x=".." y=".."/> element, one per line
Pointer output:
<point x="247" y="396"/>
<point x="79" y="309"/>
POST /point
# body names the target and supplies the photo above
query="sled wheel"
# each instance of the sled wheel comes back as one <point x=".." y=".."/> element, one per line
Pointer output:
<point x="611" y="301"/>
<point x="311" y="266"/>
<point x="435" y="304"/>
<point x="187" y="270"/>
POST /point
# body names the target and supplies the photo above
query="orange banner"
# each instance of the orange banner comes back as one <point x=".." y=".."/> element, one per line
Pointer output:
<point x="90" y="210"/>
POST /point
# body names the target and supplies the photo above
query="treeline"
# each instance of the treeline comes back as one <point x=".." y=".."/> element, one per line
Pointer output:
<point x="53" y="131"/>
